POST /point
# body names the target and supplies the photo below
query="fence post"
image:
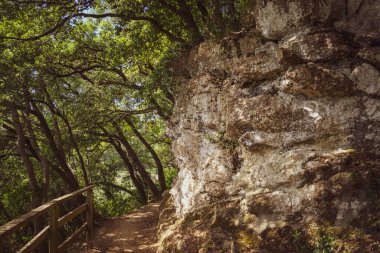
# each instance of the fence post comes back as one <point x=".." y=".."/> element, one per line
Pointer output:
<point x="89" y="217"/>
<point x="53" y="231"/>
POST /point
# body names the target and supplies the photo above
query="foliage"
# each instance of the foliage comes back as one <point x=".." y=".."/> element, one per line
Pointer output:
<point x="325" y="242"/>
<point x="170" y="175"/>
<point x="119" y="204"/>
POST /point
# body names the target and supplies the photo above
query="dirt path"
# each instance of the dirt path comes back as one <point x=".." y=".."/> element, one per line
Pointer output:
<point x="135" y="232"/>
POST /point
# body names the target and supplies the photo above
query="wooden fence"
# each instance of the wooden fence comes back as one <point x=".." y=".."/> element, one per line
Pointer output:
<point x="51" y="232"/>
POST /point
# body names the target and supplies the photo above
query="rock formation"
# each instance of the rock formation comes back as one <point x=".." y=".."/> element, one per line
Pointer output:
<point x="276" y="131"/>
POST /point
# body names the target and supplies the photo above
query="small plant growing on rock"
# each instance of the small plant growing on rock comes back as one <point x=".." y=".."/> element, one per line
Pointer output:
<point x="247" y="240"/>
<point x="325" y="242"/>
<point x="296" y="236"/>
<point x="223" y="141"/>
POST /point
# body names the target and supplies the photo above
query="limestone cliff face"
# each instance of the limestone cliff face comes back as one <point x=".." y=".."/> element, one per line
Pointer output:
<point x="276" y="131"/>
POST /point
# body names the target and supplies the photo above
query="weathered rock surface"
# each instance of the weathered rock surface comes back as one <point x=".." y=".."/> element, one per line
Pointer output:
<point x="278" y="141"/>
<point x="362" y="19"/>
<point x="277" y="18"/>
<point x="367" y="78"/>
<point x="371" y="54"/>
<point x="316" y="45"/>
<point x="314" y="80"/>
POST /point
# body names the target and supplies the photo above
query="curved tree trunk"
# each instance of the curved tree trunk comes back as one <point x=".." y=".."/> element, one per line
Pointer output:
<point x="217" y="18"/>
<point x="37" y="192"/>
<point x="54" y="110"/>
<point x="77" y="150"/>
<point x="187" y="16"/>
<point x="43" y="161"/>
<point x="185" y="13"/>
<point x="56" y="147"/>
<point x="136" y="161"/>
<point x="139" y="186"/>
<point x="160" y="168"/>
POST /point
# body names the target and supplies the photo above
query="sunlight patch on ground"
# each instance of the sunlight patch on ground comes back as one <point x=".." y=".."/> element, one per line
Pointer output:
<point x="135" y="232"/>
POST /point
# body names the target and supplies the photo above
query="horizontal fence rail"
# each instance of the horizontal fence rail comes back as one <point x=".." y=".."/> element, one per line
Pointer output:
<point x="51" y="232"/>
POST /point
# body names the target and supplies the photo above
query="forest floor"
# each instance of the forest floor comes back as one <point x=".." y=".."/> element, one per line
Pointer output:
<point x="134" y="232"/>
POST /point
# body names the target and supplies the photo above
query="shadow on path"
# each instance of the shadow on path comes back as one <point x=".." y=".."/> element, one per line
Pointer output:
<point x="135" y="232"/>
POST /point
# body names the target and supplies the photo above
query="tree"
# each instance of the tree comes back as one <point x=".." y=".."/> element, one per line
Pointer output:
<point x="160" y="168"/>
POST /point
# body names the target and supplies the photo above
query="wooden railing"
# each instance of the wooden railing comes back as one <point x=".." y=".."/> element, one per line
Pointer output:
<point x="51" y="232"/>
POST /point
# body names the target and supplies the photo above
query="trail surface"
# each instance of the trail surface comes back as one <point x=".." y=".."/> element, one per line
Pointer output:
<point x="135" y="232"/>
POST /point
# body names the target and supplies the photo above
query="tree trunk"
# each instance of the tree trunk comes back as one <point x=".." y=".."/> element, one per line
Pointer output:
<point x="159" y="110"/>
<point x="77" y="150"/>
<point x="37" y="197"/>
<point x="43" y="160"/>
<point x="21" y="143"/>
<point x="187" y="16"/>
<point x="203" y="10"/>
<point x="136" y="182"/>
<point x="136" y="161"/>
<point x="217" y="18"/>
<point x="54" y="110"/>
<point x="56" y="148"/>
<point x="184" y="12"/>
<point x="234" y="24"/>
<point x="160" y="169"/>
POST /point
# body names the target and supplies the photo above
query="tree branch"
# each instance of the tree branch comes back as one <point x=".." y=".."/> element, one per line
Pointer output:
<point x="63" y="21"/>
<point x="117" y="187"/>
